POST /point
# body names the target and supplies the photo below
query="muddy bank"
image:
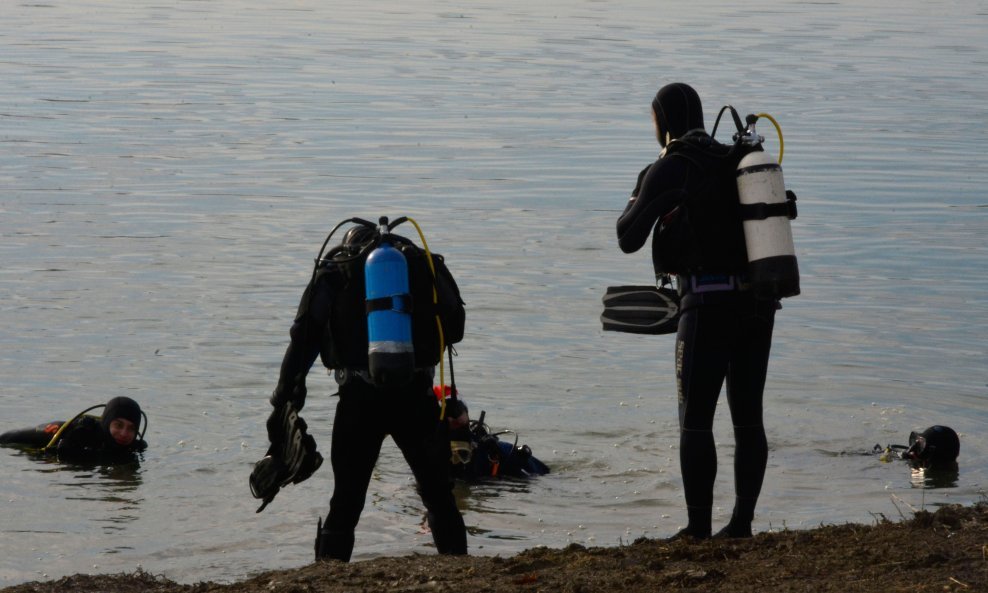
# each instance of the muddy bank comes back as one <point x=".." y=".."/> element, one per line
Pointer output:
<point x="943" y="551"/>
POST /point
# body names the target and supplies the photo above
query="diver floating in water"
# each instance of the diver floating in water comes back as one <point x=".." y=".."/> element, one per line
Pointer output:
<point x="936" y="448"/>
<point x="479" y="453"/>
<point x="114" y="436"/>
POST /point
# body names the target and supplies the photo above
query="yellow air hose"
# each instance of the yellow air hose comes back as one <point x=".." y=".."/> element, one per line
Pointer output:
<point x="439" y="323"/>
<point x="778" y="129"/>
<point x="61" y="429"/>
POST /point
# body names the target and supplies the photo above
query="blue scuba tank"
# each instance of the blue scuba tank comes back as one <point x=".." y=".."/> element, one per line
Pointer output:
<point x="390" y="353"/>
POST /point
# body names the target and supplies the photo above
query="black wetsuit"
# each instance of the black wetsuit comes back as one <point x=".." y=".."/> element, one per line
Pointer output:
<point x="724" y="332"/>
<point x="365" y="415"/>
<point x="85" y="441"/>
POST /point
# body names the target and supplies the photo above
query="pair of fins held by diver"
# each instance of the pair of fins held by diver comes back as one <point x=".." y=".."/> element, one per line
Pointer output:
<point x="292" y="459"/>
<point x="639" y="309"/>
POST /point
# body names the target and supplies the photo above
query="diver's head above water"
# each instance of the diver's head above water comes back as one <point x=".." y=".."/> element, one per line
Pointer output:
<point x="121" y="421"/>
<point x="937" y="447"/>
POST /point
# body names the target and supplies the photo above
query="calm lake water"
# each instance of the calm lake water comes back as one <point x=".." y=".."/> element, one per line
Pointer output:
<point x="169" y="170"/>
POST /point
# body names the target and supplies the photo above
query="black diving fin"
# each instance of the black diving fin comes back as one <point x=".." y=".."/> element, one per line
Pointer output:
<point x="641" y="309"/>
<point x="291" y="460"/>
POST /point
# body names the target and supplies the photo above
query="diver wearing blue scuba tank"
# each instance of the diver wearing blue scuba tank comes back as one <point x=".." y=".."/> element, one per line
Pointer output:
<point x="331" y="323"/>
<point x="689" y="197"/>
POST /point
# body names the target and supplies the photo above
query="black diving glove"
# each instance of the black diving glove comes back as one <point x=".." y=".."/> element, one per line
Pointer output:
<point x="292" y="457"/>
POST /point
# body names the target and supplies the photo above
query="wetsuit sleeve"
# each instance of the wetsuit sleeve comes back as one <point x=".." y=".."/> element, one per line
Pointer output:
<point x="658" y="191"/>
<point x="38" y="436"/>
<point x="306" y="339"/>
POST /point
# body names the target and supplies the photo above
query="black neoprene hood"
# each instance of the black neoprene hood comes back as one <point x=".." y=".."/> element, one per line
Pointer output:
<point x="677" y="110"/>
<point x="121" y="407"/>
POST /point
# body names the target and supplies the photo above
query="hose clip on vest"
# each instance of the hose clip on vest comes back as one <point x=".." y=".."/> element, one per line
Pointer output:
<point x="390" y="353"/>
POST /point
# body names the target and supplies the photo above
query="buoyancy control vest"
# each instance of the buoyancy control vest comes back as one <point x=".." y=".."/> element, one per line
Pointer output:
<point x="704" y="233"/>
<point x="437" y="318"/>
<point x="736" y="219"/>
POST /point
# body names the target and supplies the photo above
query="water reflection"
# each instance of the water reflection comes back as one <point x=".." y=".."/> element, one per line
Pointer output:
<point x="483" y="497"/>
<point x="120" y="468"/>
<point x="934" y="478"/>
<point x="920" y="476"/>
<point x="116" y="485"/>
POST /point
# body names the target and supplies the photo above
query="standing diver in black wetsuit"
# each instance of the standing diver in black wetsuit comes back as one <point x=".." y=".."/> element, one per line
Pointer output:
<point x="332" y="323"/>
<point x="725" y="331"/>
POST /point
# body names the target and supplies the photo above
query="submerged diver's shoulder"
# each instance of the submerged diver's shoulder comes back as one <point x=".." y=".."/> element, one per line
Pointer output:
<point x="102" y="453"/>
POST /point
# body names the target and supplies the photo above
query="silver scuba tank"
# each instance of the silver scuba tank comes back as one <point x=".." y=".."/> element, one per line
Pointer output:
<point x="766" y="209"/>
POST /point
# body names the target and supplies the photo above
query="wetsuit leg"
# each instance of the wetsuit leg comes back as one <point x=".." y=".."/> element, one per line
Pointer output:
<point x="702" y="355"/>
<point x="357" y="439"/>
<point x="424" y="441"/>
<point x="745" y="387"/>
